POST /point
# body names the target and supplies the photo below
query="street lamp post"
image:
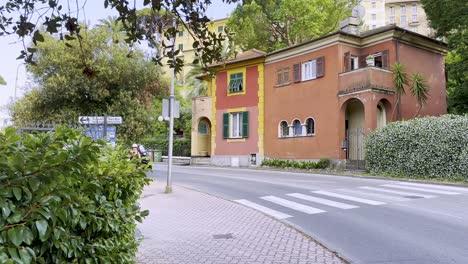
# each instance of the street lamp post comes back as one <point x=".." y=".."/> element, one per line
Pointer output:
<point x="16" y="79"/>
<point x="171" y="120"/>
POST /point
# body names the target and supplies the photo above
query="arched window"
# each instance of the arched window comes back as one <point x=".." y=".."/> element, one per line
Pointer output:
<point x="310" y="126"/>
<point x="284" y="129"/>
<point x="202" y="128"/>
<point x="297" y="128"/>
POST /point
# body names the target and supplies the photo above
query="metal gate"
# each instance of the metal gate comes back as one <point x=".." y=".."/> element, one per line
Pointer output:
<point x="355" y="152"/>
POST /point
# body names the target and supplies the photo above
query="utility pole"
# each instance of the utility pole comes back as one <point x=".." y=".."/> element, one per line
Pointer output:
<point x="171" y="119"/>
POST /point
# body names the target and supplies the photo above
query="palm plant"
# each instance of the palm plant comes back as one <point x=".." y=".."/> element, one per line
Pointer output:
<point x="400" y="79"/>
<point x="196" y="86"/>
<point x="419" y="89"/>
<point x="114" y="27"/>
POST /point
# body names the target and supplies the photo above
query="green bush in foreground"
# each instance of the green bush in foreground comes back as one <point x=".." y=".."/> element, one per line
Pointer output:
<point x="67" y="199"/>
<point x="306" y="165"/>
<point x="430" y="148"/>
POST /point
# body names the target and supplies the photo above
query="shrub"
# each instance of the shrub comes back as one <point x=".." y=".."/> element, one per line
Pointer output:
<point x="67" y="199"/>
<point x="306" y="165"/>
<point x="431" y="147"/>
<point x="181" y="147"/>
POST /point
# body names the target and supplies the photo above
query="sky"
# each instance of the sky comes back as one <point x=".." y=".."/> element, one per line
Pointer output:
<point x="14" y="71"/>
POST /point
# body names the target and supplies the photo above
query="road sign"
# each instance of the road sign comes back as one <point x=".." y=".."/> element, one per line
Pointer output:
<point x="165" y="112"/>
<point x="94" y="120"/>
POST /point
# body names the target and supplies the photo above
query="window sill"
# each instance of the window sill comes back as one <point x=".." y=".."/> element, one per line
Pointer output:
<point x="301" y="136"/>
<point x="282" y="85"/>
<point x="235" y="93"/>
<point x="231" y="140"/>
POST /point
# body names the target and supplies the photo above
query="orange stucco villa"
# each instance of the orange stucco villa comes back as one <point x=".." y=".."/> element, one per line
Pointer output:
<point x="314" y="100"/>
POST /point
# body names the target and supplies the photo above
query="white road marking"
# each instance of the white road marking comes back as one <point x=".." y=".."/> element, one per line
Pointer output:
<point x="398" y="192"/>
<point x="322" y="201"/>
<point x="263" y="209"/>
<point x="350" y="198"/>
<point x="433" y="186"/>
<point x="378" y="195"/>
<point x="419" y="189"/>
<point x="293" y="205"/>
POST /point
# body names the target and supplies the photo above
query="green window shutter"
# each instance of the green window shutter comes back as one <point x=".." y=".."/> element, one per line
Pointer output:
<point x="245" y="124"/>
<point x="225" y="125"/>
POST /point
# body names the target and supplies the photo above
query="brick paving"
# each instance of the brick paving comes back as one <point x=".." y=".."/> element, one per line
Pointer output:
<point x="181" y="229"/>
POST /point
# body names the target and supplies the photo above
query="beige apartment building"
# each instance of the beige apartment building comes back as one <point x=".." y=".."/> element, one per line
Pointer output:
<point x="184" y="43"/>
<point x="407" y="14"/>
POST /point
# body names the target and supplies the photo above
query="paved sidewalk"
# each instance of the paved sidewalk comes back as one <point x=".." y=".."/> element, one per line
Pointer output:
<point x="191" y="227"/>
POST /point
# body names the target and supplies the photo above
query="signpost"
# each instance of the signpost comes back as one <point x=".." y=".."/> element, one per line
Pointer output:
<point x="100" y="128"/>
<point x="97" y="120"/>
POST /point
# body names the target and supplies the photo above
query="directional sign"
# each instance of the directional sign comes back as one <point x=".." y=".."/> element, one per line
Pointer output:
<point x="94" y="120"/>
<point x="166" y="108"/>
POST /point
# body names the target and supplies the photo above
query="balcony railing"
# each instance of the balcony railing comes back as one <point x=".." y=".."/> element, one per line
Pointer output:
<point x="368" y="78"/>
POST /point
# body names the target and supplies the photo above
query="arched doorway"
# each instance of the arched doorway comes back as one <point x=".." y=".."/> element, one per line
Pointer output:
<point x="354" y="126"/>
<point x="204" y="137"/>
<point x="381" y="115"/>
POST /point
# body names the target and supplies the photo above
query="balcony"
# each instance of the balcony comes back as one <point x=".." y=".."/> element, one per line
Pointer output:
<point x="369" y="78"/>
<point x="400" y="1"/>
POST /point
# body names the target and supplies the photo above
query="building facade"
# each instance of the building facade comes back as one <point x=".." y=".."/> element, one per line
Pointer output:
<point x="321" y="98"/>
<point x="407" y="14"/>
<point x="184" y="43"/>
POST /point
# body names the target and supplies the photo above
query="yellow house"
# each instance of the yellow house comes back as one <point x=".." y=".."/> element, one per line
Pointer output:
<point x="184" y="43"/>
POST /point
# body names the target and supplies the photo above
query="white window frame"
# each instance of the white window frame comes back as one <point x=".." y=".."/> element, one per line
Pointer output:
<point x="235" y="122"/>
<point x="374" y="17"/>
<point x="295" y="121"/>
<point x="403" y="9"/>
<point x="392" y="19"/>
<point x="405" y="21"/>
<point x="414" y="18"/>
<point x="414" y="9"/>
<point x="309" y="70"/>
<point x="374" y="4"/>
<point x="354" y="63"/>
<point x="392" y="10"/>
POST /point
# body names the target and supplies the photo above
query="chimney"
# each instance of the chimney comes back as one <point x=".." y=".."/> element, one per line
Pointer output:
<point x="350" y="25"/>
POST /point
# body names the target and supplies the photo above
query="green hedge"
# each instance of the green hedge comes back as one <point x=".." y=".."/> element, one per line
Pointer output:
<point x="182" y="146"/>
<point x="67" y="199"/>
<point x="307" y="165"/>
<point x="431" y="148"/>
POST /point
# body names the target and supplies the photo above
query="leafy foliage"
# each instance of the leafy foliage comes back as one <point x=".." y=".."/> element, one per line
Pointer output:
<point x="272" y="24"/>
<point x="25" y="18"/>
<point x="429" y="148"/>
<point x="2" y="81"/>
<point x="67" y="199"/>
<point x="182" y="146"/>
<point x="450" y="20"/>
<point x="123" y="82"/>
<point x="306" y="165"/>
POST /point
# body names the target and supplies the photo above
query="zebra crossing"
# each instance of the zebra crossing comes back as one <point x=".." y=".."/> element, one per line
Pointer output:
<point x="318" y="201"/>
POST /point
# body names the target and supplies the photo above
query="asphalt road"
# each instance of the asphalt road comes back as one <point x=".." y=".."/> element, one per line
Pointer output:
<point x="364" y="220"/>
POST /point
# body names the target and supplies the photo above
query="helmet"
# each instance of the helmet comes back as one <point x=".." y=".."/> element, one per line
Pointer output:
<point x="134" y="146"/>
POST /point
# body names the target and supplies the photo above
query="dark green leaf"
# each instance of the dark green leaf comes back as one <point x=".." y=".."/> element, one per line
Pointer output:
<point x="15" y="236"/>
<point x="17" y="192"/>
<point x="41" y="226"/>
<point x="27" y="235"/>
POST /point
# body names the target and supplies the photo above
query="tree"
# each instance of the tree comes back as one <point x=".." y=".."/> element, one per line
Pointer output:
<point x="2" y="81"/>
<point x="400" y="79"/>
<point x="114" y="27"/>
<point x="273" y="24"/>
<point x="419" y="90"/>
<point x="26" y="18"/>
<point x="450" y="20"/>
<point x="123" y="84"/>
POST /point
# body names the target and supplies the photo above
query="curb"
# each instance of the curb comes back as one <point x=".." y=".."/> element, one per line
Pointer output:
<point x="290" y="225"/>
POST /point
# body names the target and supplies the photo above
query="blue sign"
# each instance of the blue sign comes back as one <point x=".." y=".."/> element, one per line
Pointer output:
<point x="97" y="132"/>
